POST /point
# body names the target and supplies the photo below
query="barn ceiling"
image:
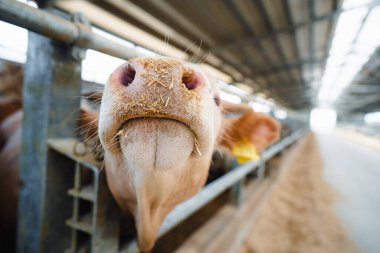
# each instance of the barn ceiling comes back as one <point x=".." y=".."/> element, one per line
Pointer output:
<point x="278" y="47"/>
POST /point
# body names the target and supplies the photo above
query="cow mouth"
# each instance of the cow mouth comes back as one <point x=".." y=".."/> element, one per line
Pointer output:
<point x="119" y="133"/>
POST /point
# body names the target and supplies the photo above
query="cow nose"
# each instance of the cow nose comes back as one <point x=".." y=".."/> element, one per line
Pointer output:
<point x="159" y="88"/>
<point x="147" y="89"/>
<point x="166" y="74"/>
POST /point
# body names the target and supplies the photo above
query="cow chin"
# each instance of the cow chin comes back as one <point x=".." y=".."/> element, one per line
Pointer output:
<point x="157" y="168"/>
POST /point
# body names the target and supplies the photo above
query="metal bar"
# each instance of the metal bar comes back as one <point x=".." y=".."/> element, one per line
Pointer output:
<point x="270" y="27"/>
<point x="297" y="97"/>
<point x="50" y="88"/>
<point x="169" y="10"/>
<point x="364" y="88"/>
<point x="367" y="108"/>
<point x="234" y="10"/>
<point x="293" y="84"/>
<point x="237" y="189"/>
<point x="289" y="17"/>
<point x="60" y="29"/>
<point x="106" y="219"/>
<point x="261" y="170"/>
<point x="311" y="29"/>
<point x="306" y="91"/>
<point x="330" y="32"/>
<point x="270" y="70"/>
<point x="75" y="215"/>
<point x="311" y="9"/>
<point x="351" y="105"/>
<point x="299" y="104"/>
<point x="211" y="191"/>
<point x="237" y="193"/>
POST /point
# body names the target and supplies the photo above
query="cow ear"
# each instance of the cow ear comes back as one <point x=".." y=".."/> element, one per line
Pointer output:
<point x="257" y="129"/>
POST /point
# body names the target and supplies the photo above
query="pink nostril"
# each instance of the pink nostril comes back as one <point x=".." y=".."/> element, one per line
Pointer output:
<point x="128" y="75"/>
<point x="190" y="80"/>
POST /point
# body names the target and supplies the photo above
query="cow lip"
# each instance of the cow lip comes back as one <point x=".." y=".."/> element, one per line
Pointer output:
<point x="154" y="117"/>
<point x="167" y="117"/>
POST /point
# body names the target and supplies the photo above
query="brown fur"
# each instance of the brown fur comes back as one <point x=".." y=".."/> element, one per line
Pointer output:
<point x="9" y="105"/>
<point x="9" y="179"/>
<point x="259" y="129"/>
<point x="11" y="76"/>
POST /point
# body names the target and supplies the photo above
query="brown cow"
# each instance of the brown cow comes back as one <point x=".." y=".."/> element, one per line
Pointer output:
<point x="159" y="122"/>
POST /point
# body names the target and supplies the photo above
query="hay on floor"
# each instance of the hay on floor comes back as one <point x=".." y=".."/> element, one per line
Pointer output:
<point x="298" y="216"/>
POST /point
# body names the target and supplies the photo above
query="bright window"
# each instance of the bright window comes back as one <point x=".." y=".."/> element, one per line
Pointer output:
<point x="372" y="118"/>
<point x="322" y="120"/>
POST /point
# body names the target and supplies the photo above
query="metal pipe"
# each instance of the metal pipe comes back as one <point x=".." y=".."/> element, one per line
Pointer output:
<point x="61" y="29"/>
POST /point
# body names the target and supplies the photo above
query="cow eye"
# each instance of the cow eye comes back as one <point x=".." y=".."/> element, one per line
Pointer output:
<point x="217" y="100"/>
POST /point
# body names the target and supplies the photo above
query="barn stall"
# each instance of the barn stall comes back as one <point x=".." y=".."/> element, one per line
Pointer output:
<point x="275" y="56"/>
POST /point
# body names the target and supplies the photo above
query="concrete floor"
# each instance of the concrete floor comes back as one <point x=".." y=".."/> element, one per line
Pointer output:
<point x="353" y="170"/>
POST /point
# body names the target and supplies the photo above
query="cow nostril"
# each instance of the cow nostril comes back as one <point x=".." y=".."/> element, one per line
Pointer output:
<point x="190" y="79"/>
<point x="217" y="100"/>
<point x="128" y="75"/>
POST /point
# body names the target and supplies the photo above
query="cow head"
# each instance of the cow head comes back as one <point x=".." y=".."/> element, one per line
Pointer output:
<point x="158" y="124"/>
<point x="258" y="129"/>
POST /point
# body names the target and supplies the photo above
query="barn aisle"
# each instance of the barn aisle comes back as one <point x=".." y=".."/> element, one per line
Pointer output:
<point x="353" y="171"/>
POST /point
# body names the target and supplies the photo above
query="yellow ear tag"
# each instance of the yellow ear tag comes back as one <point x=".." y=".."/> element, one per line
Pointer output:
<point x="245" y="151"/>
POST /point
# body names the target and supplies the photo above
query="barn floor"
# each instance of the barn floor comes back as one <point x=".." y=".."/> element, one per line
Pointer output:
<point x="353" y="171"/>
<point x="327" y="200"/>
